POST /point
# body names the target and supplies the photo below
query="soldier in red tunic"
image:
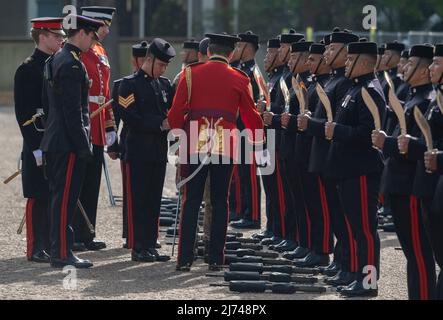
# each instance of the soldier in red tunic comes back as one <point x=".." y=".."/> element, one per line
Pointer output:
<point x="103" y="131"/>
<point x="209" y="98"/>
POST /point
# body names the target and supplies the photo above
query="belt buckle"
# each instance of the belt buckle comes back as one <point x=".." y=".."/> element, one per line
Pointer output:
<point x="101" y="100"/>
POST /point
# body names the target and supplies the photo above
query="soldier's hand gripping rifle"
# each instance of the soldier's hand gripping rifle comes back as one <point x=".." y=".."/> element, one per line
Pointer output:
<point x="256" y="276"/>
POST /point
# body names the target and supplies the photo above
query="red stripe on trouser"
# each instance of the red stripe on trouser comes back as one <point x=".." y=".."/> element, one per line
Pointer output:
<point x="325" y="214"/>
<point x="281" y="197"/>
<point x="417" y="250"/>
<point x="182" y="207"/>
<point x="365" y="220"/>
<point x="254" y="192"/>
<point x="130" y="239"/>
<point x="381" y="198"/>
<point x="352" y="249"/>
<point x="237" y="191"/>
<point x="64" y="213"/>
<point x="29" y="228"/>
<point x="122" y="170"/>
<point x="308" y="225"/>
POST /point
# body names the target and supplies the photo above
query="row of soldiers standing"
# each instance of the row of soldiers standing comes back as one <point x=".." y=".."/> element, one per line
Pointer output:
<point x="328" y="174"/>
<point x="331" y="174"/>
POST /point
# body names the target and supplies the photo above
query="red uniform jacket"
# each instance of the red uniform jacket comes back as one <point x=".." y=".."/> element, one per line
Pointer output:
<point x="218" y="93"/>
<point x="99" y="72"/>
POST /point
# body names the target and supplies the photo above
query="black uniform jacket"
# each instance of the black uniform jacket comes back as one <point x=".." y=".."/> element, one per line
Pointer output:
<point x="351" y="153"/>
<point x="67" y="83"/>
<point x="28" y="83"/>
<point x="143" y="105"/>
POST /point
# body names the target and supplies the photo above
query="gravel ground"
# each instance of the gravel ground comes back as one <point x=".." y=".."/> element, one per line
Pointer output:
<point x="114" y="275"/>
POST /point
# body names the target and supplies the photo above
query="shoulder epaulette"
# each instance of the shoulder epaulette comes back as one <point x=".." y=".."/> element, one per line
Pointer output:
<point x="74" y="54"/>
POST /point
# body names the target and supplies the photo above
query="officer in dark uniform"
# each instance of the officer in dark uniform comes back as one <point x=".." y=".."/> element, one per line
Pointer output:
<point x="249" y="181"/>
<point x="203" y="103"/>
<point x="297" y="221"/>
<point x="425" y="183"/>
<point x="66" y="142"/>
<point x="357" y="165"/>
<point x="144" y="99"/>
<point x="273" y="121"/>
<point x="344" y="264"/>
<point x="118" y="148"/>
<point x="399" y="180"/>
<point x="272" y="183"/>
<point x="47" y="34"/>
<point x="319" y="230"/>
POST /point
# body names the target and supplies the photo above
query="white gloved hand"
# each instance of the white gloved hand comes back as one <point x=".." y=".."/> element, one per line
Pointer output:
<point x="262" y="158"/>
<point x="38" y="155"/>
<point x="111" y="137"/>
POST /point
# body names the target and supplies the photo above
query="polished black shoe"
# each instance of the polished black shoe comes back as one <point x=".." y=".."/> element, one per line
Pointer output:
<point x="263" y="234"/>
<point x="159" y="257"/>
<point x="312" y="260"/>
<point x="274" y="246"/>
<point x="78" y="247"/>
<point x="389" y="227"/>
<point x="343" y="278"/>
<point x="40" y="257"/>
<point x="331" y="270"/>
<point x="183" y="268"/>
<point x="158" y="245"/>
<point x="215" y="267"/>
<point x="245" y="224"/>
<point x="298" y="253"/>
<point x="95" y="245"/>
<point x="357" y="289"/>
<point x="142" y="256"/>
<point x="273" y="240"/>
<point x="73" y="260"/>
<point x="288" y="246"/>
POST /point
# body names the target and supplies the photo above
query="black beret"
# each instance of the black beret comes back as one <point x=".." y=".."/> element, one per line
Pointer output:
<point x="362" y="48"/>
<point x="317" y="48"/>
<point x="438" y="51"/>
<point x="405" y="54"/>
<point x="139" y="50"/>
<point x="343" y="37"/>
<point x="203" y="46"/>
<point x="395" y="46"/>
<point x="381" y="50"/>
<point x="301" y="46"/>
<point x="274" y="43"/>
<point x="100" y="13"/>
<point x="422" y="51"/>
<point x="291" y="37"/>
<point x="327" y="39"/>
<point x="162" y="50"/>
<point x="249" y="37"/>
<point x="222" y="39"/>
<point x="191" y="44"/>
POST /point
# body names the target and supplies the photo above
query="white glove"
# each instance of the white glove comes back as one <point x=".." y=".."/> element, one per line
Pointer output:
<point x="111" y="137"/>
<point x="38" y="155"/>
<point x="262" y="158"/>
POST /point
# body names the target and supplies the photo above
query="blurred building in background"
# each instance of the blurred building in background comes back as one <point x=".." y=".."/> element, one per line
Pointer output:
<point x="409" y="21"/>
